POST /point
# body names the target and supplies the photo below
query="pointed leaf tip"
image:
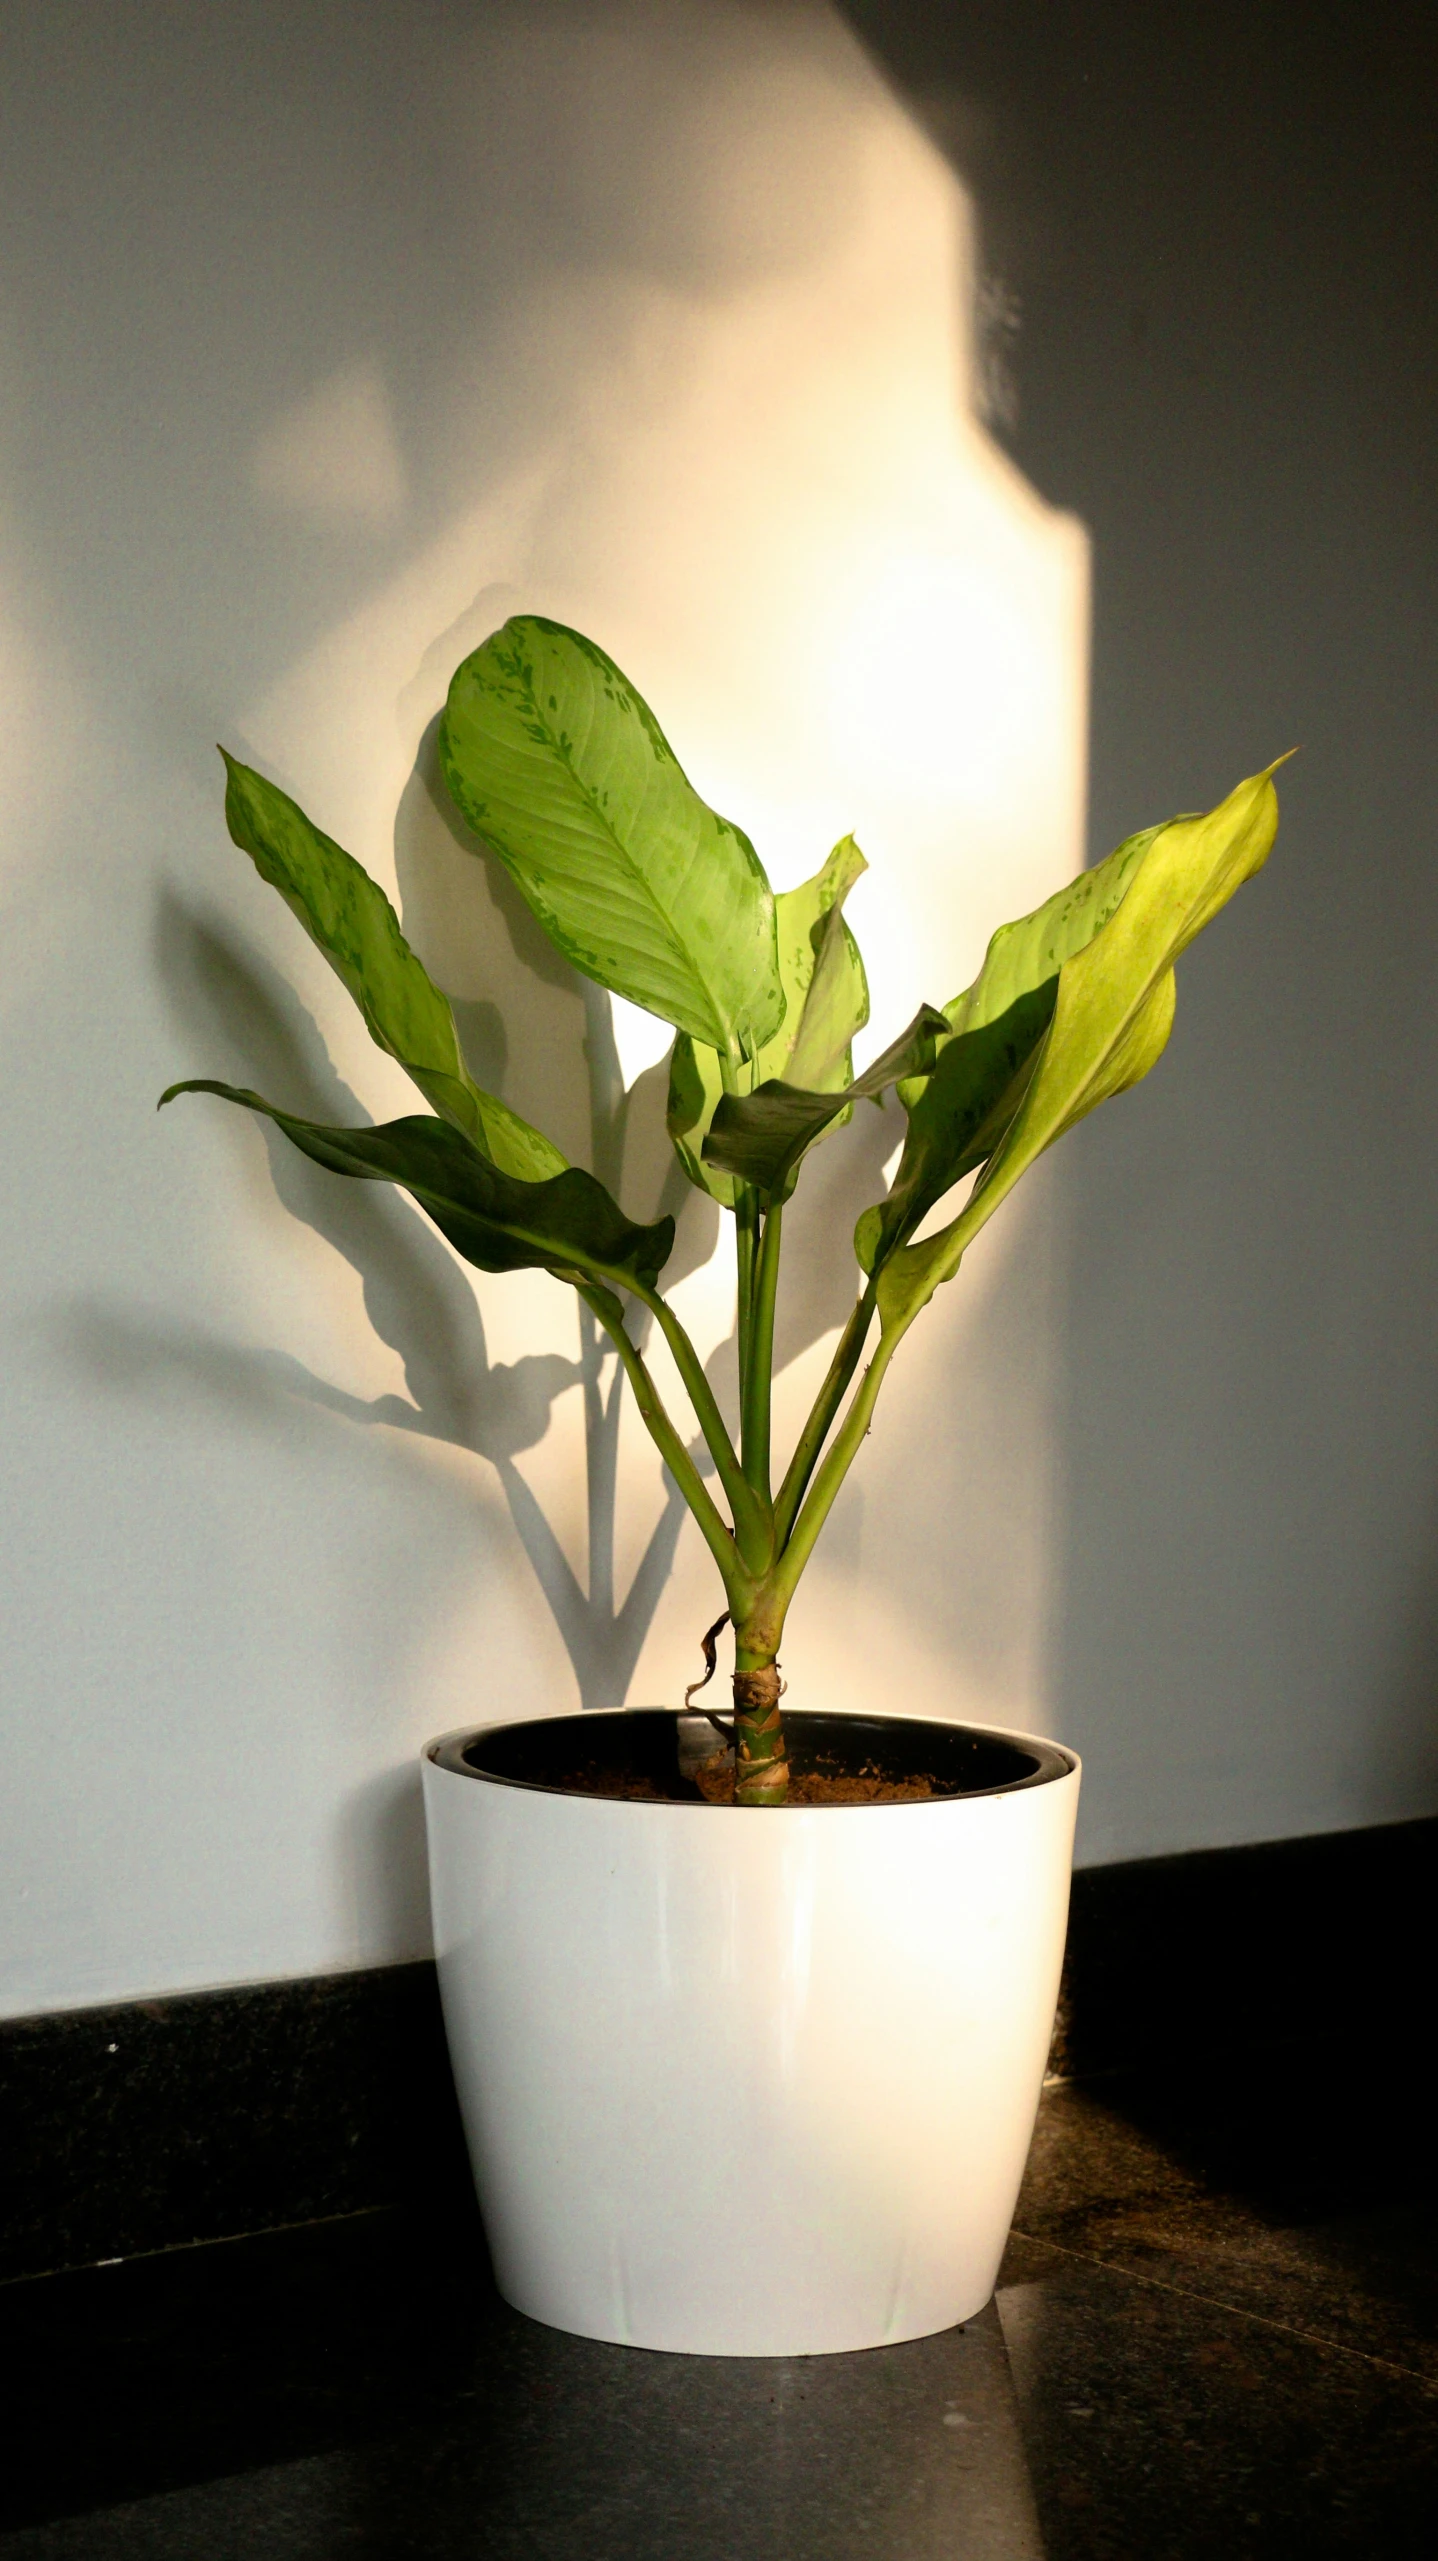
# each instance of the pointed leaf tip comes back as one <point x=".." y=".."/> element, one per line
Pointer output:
<point x="1112" y="1010"/>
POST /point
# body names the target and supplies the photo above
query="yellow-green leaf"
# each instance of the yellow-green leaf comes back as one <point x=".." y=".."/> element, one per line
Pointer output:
<point x="1111" y="1017"/>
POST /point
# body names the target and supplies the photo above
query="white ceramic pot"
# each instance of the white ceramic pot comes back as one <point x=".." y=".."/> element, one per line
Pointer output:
<point x="747" y="2082"/>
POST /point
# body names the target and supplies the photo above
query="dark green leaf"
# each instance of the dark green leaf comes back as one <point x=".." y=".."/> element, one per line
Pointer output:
<point x="558" y="763"/>
<point x="762" y="1136"/>
<point x="957" y="1118"/>
<point x="567" y="1225"/>
<point x="354" y="925"/>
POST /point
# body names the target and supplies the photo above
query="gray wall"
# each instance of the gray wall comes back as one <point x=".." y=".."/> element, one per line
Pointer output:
<point x="1220" y="226"/>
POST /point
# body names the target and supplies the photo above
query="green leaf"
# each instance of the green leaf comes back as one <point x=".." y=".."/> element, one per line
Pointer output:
<point x="567" y="1225"/>
<point x="350" y="919"/>
<point x="1032" y="951"/>
<point x="958" y="1115"/>
<point x="956" y="1119"/>
<point x="695" y="1090"/>
<point x="1111" y="1017"/>
<point x="825" y="988"/>
<point x="826" y="998"/>
<point x="762" y="1136"/>
<point x="556" y="761"/>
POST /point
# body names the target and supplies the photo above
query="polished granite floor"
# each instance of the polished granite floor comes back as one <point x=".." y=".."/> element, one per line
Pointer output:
<point x="1214" y="2335"/>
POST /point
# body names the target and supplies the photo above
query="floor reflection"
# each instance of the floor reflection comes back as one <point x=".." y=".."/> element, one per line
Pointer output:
<point x="348" y="2391"/>
<point x="1218" y="2306"/>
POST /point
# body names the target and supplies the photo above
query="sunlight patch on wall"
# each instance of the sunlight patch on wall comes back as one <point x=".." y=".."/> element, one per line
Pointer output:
<point x="42" y="723"/>
<point x="752" y="471"/>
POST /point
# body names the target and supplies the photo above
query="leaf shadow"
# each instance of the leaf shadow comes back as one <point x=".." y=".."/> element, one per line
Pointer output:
<point x="538" y="1033"/>
<point x="416" y="1295"/>
<point x="840" y="1178"/>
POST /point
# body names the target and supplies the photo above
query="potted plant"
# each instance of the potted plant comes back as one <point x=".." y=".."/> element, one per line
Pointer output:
<point x="748" y="2018"/>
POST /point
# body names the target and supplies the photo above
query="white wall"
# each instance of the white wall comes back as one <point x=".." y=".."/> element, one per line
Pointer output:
<point x="330" y="337"/>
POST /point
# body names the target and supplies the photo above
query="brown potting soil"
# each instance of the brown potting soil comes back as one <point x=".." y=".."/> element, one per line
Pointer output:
<point x="715" y="1784"/>
<point x="867" y="1786"/>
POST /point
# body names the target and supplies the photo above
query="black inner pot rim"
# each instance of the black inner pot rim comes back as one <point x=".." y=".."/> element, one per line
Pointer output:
<point x="914" y="1743"/>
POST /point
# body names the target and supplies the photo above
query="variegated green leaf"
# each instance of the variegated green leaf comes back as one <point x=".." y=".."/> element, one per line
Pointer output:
<point x="958" y="1115"/>
<point x="555" y="760"/>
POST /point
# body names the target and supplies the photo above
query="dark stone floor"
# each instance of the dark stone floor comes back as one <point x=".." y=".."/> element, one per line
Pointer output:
<point x="1220" y="2305"/>
<point x="1214" y="2335"/>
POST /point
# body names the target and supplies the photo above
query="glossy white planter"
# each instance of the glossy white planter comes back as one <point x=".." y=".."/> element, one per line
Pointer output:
<point x="748" y="2083"/>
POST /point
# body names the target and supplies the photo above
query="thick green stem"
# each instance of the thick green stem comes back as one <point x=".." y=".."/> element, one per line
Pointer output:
<point x="746" y="1254"/>
<point x="826" y="1405"/>
<point x="601" y="1450"/>
<point x="758" y="1383"/>
<point x="736" y="1075"/>
<point x="761" y="1763"/>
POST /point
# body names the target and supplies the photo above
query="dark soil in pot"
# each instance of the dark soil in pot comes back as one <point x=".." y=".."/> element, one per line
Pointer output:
<point x="834" y="1760"/>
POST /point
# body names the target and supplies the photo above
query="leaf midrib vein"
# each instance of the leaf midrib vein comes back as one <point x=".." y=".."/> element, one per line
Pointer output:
<point x="647" y="894"/>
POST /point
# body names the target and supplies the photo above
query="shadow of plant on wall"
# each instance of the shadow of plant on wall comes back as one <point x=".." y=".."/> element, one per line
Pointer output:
<point x="538" y="1033"/>
<point x="418" y="1298"/>
<point x="535" y="1031"/>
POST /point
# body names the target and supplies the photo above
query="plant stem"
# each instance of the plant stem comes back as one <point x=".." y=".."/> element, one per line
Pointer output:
<point x="826" y="1405"/>
<point x="835" y="1468"/>
<point x="738" y="1583"/>
<point x="600" y="1455"/>
<point x="761" y="1763"/>
<point x="751" y="1520"/>
<point x="758" y="1383"/>
<point x="746" y="1253"/>
<point x="736" y="1076"/>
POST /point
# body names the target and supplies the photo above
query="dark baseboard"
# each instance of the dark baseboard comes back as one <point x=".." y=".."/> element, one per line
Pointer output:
<point x="153" y="2124"/>
<point x="1316" y="1944"/>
